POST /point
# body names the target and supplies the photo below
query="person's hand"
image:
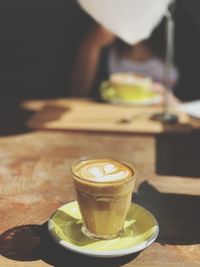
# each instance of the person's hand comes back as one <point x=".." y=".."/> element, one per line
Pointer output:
<point x="100" y="36"/>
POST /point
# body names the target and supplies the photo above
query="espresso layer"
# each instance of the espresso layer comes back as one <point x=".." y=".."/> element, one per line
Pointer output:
<point x="102" y="170"/>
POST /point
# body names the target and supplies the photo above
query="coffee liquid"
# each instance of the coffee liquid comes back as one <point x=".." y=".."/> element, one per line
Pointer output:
<point x="104" y="191"/>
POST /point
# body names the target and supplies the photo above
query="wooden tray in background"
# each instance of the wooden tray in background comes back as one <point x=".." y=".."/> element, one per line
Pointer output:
<point x="76" y="114"/>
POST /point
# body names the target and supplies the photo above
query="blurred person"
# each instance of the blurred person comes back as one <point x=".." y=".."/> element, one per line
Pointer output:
<point x="89" y="60"/>
<point x="39" y="55"/>
<point x="101" y="53"/>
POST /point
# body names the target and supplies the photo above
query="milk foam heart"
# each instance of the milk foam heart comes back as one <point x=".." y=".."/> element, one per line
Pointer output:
<point x="103" y="170"/>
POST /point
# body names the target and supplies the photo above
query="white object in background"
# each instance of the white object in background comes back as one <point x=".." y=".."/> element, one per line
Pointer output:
<point x="131" y="20"/>
<point x="191" y="108"/>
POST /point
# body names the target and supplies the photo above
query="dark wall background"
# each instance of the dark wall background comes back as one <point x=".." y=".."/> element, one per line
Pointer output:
<point x="38" y="39"/>
<point x="187" y="48"/>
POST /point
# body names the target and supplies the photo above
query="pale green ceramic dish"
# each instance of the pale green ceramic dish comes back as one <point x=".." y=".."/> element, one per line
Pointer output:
<point x="128" y="94"/>
<point x="140" y="230"/>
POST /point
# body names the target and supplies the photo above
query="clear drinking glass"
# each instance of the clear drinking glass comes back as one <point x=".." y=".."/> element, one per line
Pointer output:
<point x="103" y="205"/>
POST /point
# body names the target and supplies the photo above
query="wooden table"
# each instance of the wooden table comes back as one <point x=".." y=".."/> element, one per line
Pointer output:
<point x="35" y="181"/>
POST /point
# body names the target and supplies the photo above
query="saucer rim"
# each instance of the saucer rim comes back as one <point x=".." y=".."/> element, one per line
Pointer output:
<point x="108" y="253"/>
<point x="154" y="101"/>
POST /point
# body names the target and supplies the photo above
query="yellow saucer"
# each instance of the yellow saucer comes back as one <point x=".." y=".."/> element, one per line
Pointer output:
<point x="129" y="94"/>
<point x="140" y="230"/>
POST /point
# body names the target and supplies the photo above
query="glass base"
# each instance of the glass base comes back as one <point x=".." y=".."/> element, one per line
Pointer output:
<point x="165" y="117"/>
<point x="99" y="237"/>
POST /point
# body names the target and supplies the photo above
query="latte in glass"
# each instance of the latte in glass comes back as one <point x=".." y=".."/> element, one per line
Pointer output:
<point x="104" y="190"/>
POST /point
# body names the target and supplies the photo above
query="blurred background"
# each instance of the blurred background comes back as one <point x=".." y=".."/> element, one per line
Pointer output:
<point x="39" y="40"/>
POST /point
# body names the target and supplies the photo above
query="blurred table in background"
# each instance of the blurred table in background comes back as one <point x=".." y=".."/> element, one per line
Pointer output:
<point x="89" y="115"/>
<point x="35" y="181"/>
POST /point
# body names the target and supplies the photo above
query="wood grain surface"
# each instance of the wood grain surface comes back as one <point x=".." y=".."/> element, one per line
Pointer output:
<point x="88" y="115"/>
<point x="35" y="180"/>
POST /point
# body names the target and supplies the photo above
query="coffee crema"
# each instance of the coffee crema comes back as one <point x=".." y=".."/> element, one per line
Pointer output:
<point x="102" y="170"/>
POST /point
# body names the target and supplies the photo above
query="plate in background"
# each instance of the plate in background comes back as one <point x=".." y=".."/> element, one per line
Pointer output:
<point x="135" y="95"/>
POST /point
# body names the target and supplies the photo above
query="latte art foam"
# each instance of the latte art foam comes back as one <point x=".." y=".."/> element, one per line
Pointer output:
<point x="102" y="170"/>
